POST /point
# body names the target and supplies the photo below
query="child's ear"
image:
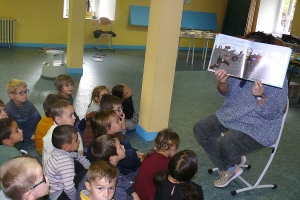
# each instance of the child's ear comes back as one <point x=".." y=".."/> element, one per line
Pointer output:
<point x="11" y="95"/>
<point x="28" y="195"/>
<point x="57" y="120"/>
<point x="65" y="146"/>
<point x="87" y="185"/>
<point x="112" y="159"/>
<point x="5" y="142"/>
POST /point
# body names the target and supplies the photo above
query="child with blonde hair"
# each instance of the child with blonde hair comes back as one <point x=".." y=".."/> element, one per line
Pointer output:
<point x="22" y="111"/>
<point x="165" y="147"/>
<point x="94" y="106"/>
<point x="125" y="94"/>
<point x="22" y="178"/>
<point x="101" y="181"/>
<point x="175" y="183"/>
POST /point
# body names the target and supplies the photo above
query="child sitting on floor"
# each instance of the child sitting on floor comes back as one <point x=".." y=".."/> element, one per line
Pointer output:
<point x="125" y="94"/>
<point x="101" y="181"/>
<point x="22" y="111"/>
<point x="166" y="145"/>
<point x="22" y="178"/>
<point x="60" y="166"/>
<point x="107" y="147"/>
<point x="45" y="123"/>
<point x="3" y="113"/>
<point x="175" y="183"/>
<point x="94" y="106"/>
<point x="108" y="122"/>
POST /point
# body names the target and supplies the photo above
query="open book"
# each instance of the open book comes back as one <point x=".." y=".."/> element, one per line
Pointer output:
<point x="250" y="60"/>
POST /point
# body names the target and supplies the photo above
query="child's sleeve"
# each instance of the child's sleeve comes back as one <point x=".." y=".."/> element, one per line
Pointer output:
<point x="67" y="180"/>
<point x="125" y="184"/>
<point x="80" y="158"/>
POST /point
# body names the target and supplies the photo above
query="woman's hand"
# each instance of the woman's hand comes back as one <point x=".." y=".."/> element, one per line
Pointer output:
<point x="221" y="75"/>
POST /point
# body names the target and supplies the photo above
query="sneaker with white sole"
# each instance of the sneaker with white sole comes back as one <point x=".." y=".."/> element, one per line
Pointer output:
<point x="227" y="176"/>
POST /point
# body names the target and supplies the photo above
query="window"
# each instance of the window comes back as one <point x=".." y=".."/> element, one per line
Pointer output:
<point x="95" y="9"/>
<point x="285" y="16"/>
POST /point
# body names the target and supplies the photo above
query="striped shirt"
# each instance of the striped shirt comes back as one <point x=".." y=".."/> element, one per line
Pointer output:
<point x="60" y="171"/>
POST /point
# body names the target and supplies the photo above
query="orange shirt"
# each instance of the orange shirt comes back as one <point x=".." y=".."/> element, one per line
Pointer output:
<point x="43" y="126"/>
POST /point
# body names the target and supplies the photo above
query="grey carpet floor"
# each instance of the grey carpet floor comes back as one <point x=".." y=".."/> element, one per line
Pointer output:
<point x="194" y="97"/>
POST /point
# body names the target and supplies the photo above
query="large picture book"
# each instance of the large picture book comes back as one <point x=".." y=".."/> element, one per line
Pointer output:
<point x="250" y="60"/>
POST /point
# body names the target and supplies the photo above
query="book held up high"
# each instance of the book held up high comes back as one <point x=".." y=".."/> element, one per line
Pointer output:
<point x="250" y="60"/>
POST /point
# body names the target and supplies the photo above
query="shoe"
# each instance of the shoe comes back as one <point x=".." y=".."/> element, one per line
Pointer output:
<point x="243" y="161"/>
<point x="227" y="176"/>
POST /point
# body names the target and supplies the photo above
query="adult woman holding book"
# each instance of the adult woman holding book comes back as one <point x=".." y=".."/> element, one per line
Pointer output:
<point x="251" y="117"/>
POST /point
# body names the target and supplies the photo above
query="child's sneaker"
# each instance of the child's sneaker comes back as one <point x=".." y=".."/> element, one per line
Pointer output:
<point x="243" y="161"/>
<point x="227" y="176"/>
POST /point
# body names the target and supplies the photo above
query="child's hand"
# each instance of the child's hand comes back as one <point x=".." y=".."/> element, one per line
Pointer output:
<point x="32" y="138"/>
<point x="135" y="196"/>
<point x="139" y="154"/>
<point x="80" y="152"/>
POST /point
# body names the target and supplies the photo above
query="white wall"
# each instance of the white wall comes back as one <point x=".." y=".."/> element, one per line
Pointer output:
<point x="267" y="15"/>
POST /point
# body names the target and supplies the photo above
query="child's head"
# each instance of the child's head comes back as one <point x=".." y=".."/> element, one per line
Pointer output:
<point x="17" y="91"/>
<point x="101" y="180"/>
<point x="260" y="37"/>
<point x="111" y="102"/>
<point x="121" y="91"/>
<point x="105" y="122"/>
<point x="23" y="178"/>
<point x="50" y="99"/>
<point x="64" y="84"/>
<point x="65" y="137"/>
<point x="166" y="141"/>
<point x="3" y="113"/>
<point x="62" y="112"/>
<point x="10" y="134"/>
<point x="108" y="147"/>
<point x="183" y="165"/>
<point x="98" y="92"/>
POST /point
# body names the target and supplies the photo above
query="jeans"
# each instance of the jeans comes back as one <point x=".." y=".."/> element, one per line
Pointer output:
<point x="226" y="151"/>
<point x="28" y="127"/>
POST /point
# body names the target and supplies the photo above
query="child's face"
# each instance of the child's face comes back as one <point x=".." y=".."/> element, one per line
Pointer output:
<point x="118" y="110"/>
<point x="115" y="126"/>
<point x="16" y="134"/>
<point x="103" y="92"/>
<point x="173" y="151"/>
<point x="127" y="92"/>
<point x="120" y="150"/>
<point x="20" y="95"/>
<point x="41" y="188"/>
<point x="67" y="117"/>
<point x="75" y="143"/>
<point x="101" y="189"/>
<point x="3" y="113"/>
<point x="67" y="88"/>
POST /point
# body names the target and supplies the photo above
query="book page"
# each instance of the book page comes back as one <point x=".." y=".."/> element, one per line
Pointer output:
<point x="230" y="53"/>
<point x="267" y="63"/>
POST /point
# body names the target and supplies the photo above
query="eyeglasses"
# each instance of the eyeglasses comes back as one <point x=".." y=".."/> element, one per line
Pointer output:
<point x="119" y="110"/>
<point x="22" y="93"/>
<point x="43" y="181"/>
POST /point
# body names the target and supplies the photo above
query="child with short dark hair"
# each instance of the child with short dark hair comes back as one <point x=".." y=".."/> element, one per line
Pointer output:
<point x="22" y="178"/>
<point x="45" y="123"/>
<point x="64" y="85"/>
<point x="60" y="166"/>
<point x="3" y="113"/>
<point x="10" y="134"/>
<point x="22" y="110"/>
<point x="62" y="113"/>
<point x="101" y="181"/>
<point x="175" y="183"/>
<point x="108" y="147"/>
<point x="156" y="160"/>
<point x="125" y="94"/>
<point x="107" y="122"/>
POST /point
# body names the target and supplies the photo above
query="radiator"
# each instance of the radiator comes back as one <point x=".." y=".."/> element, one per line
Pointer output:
<point x="7" y="31"/>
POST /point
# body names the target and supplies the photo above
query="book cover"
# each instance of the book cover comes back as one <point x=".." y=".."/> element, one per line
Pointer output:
<point x="250" y="60"/>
